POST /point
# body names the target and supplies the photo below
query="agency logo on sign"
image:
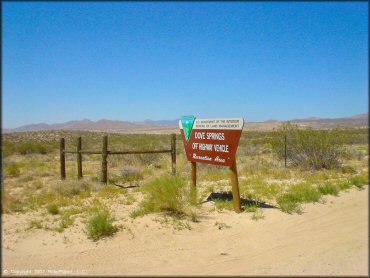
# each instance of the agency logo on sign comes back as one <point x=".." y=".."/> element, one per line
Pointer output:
<point x="187" y="124"/>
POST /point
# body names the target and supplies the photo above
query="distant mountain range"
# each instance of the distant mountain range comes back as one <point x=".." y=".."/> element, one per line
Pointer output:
<point x="361" y="120"/>
<point x="101" y="125"/>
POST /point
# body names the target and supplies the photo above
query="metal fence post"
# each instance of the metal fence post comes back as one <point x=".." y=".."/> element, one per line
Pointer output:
<point x="285" y="152"/>
<point x="79" y="158"/>
<point x="173" y="153"/>
<point x="62" y="159"/>
<point x="104" y="164"/>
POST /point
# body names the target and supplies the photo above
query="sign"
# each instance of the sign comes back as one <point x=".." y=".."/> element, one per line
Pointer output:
<point x="211" y="141"/>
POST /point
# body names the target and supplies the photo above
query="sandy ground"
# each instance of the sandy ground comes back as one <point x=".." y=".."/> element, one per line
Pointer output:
<point x="327" y="239"/>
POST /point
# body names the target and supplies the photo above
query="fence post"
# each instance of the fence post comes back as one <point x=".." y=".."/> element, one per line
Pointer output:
<point x="193" y="189"/>
<point x="173" y="153"/>
<point x="235" y="187"/>
<point x="62" y="159"/>
<point x="285" y="150"/>
<point x="79" y="157"/>
<point x="104" y="163"/>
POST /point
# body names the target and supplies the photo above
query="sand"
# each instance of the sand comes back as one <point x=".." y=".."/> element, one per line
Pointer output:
<point x="327" y="239"/>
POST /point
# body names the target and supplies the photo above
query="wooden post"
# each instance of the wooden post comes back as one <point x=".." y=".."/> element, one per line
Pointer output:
<point x="104" y="164"/>
<point x="193" y="189"/>
<point x="235" y="187"/>
<point x="62" y="159"/>
<point x="173" y="153"/>
<point x="285" y="151"/>
<point x="79" y="158"/>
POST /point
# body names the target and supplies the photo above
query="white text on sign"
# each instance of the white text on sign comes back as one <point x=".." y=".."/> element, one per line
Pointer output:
<point x="210" y="147"/>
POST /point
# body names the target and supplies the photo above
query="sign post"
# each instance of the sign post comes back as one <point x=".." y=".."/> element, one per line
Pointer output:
<point x="235" y="187"/>
<point x="213" y="141"/>
<point x="193" y="189"/>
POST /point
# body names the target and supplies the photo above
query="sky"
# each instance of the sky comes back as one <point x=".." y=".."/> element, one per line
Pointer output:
<point x="133" y="61"/>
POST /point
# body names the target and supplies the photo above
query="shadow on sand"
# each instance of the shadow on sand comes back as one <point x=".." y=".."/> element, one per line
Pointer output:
<point x="228" y="196"/>
<point x="125" y="186"/>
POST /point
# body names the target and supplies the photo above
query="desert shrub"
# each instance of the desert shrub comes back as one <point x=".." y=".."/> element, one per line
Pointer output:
<point x="344" y="184"/>
<point x="308" y="148"/>
<point x="53" y="209"/>
<point x="11" y="203"/>
<point x="164" y="194"/>
<point x="65" y="222"/>
<point x="127" y="174"/>
<point x="26" y="178"/>
<point x="224" y="204"/>
<point x="214" y="173"/>
<point x="100" y="225"/>
<point x="354" y="153"/>
<point x="12" y="170"/>
<point x="34" y="224"/>
<point x="299" y="193"/>
<point x="76" y="187"/>
<point x="131" y="174"/>
<point x="30" y="147"/>
<point x="111" y="191"/>
<point x="288" y="204"/>
<point x="347" y="169"/>
<point x="7" y="149"/>
<point x="356" y="135"/>
<point x="251" y="208"/>
<point x="359" y="181"/>
<point x="257" y="215"/>
<point x="37" y="184"/>
<point x="129" y="200"/>
<point x="329" y="188"/>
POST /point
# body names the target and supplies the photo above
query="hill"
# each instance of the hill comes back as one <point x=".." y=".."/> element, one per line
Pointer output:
<point x="169" y="126"/>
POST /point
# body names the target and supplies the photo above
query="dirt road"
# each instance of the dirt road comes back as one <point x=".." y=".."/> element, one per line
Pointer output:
<point x="328" y="239"/>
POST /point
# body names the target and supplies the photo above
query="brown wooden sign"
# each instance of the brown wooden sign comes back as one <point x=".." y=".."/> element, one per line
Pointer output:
<point x="211" y="141"/>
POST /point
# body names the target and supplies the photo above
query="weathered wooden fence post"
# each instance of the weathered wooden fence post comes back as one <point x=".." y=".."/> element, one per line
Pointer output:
<point x="285" y="150"/>
<point x="173" y="153"/>
<point x="62" y="159"/>
<point x="79" y="158"/>
<point x="193" y="189"/>
<point x="104" y="163"/>
<point x="235" y="187"/>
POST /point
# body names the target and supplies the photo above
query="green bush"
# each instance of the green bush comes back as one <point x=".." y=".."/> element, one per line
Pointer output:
<point x="12" y="170"/>
<point x="344" y="184"/>
<point x="224" y="204"/>
<point x="28" y="147"/>
<point x="308" y="148"/>
<point x="346" y="169"/>
<point x="299" y="193"/>
<point x="164" y="194"/>
<point x="328" y="188"/>
<point x="53" y="209"/>
<point x="289" y="205"/>
<point x="359" y="181"/>
<point x="100" y="225"/>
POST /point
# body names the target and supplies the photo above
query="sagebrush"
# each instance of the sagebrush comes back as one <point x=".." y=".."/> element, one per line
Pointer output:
<point x="308" y="148"/>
